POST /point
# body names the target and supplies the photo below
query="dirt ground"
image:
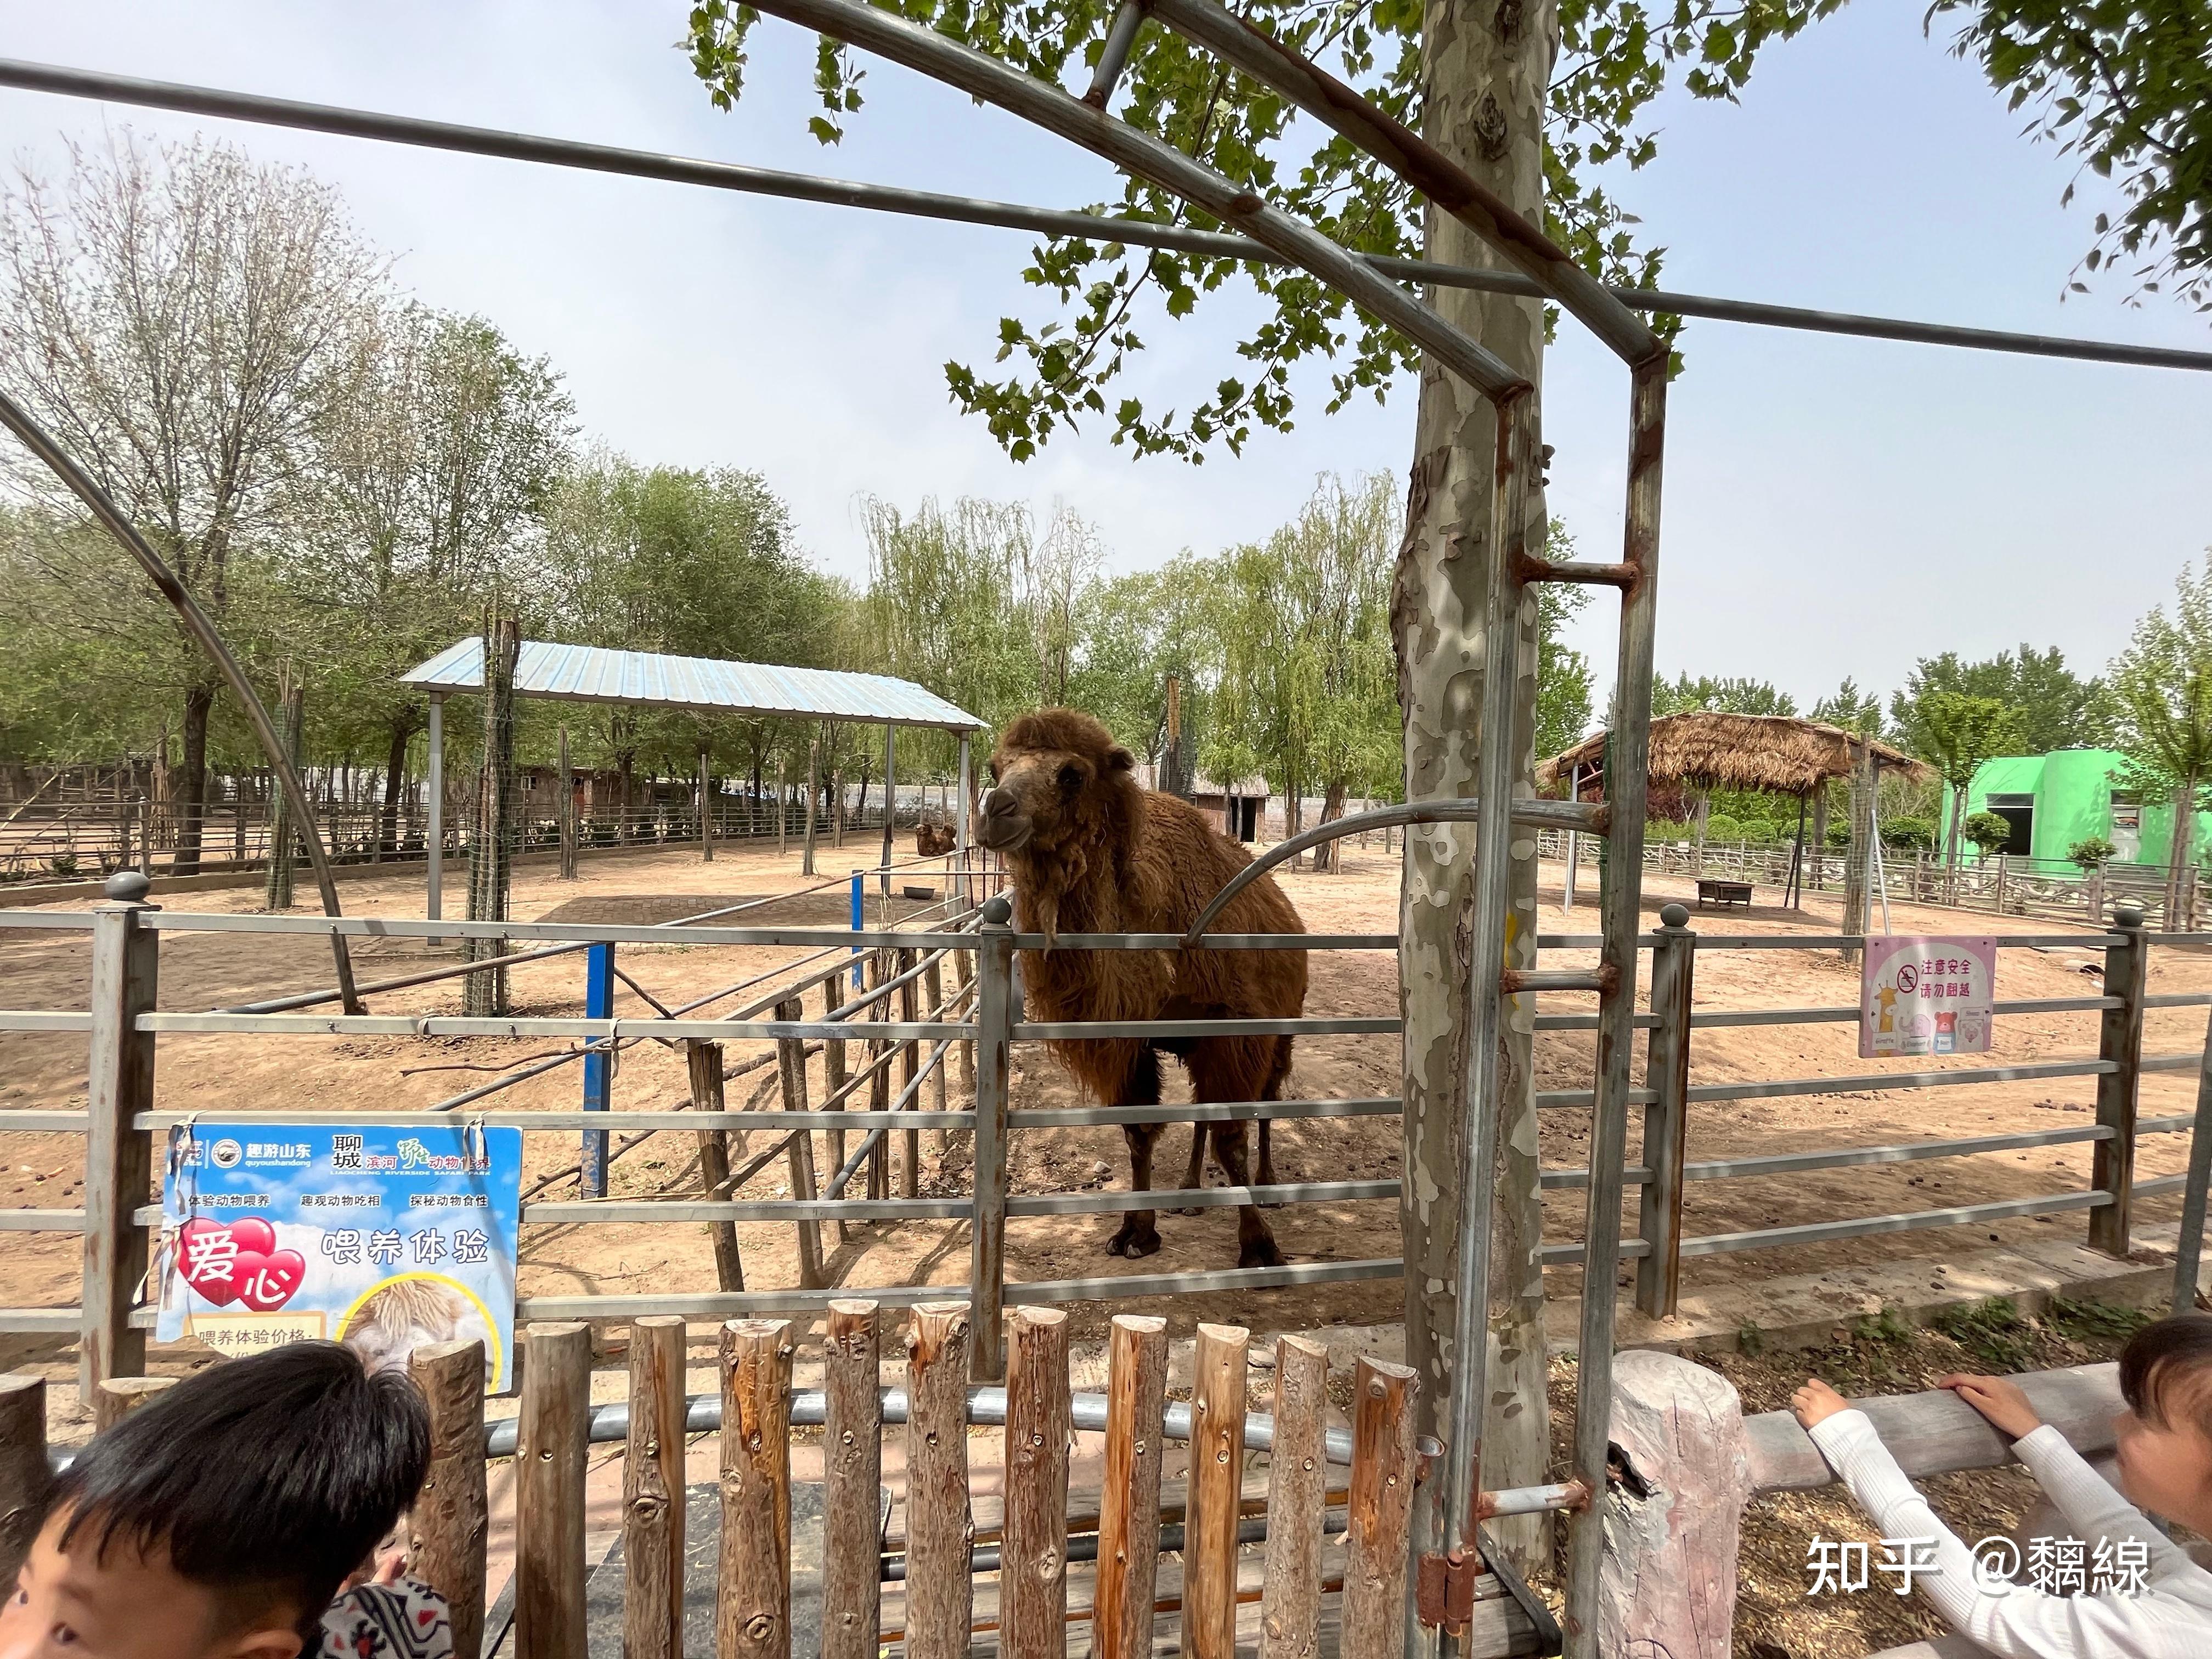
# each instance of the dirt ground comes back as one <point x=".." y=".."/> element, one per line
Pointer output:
<point x="215" y="1073"/>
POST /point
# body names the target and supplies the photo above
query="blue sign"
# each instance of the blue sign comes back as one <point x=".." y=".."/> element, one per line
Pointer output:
<point x="386" y="1238"/>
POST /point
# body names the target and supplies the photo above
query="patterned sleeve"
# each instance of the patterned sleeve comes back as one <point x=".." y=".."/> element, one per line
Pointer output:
<point x="403" y="1621"/>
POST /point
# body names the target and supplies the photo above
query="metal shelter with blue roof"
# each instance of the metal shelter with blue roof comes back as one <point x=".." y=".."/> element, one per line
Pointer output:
<point x="589" y="673"/>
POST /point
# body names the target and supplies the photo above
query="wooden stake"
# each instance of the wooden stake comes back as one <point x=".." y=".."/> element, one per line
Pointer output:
<point x="119" y="1396"/>
<point x="449" y="1526"/>
<point x="1129" y="1507"/>
<point x="940" y="1593"/>
<point x="833" y="1078"/>
<point x="791" y="1066"/>
<point x="23" y="1469"/>
<point x="852" y="1463"/>
<point x="752" y="1601"/>
<point x="1217" y="1480"/>
<point x="909" y="1064"/>
<point x="550" y="1449"/>
<point x="1298" y="1493"/>
<point x="1378" y="1510"/>
<point x="652" y="1491"/>
<point x="702" y="1061"/>
<point x="1033" y="1571"/>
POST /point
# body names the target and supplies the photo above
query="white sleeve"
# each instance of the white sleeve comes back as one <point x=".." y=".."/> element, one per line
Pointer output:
<point x="2088" y="1501"/>
<point x="2018" y="1623"/>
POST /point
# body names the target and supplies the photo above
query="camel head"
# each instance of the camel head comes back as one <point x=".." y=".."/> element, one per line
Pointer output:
<point x="1061" y="788"/>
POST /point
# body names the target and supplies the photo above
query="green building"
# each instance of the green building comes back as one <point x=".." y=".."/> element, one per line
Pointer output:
<point x="2053" y="801"/>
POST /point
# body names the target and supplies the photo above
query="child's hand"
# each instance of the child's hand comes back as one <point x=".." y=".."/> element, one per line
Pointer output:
<point x="1997" y="1398"/>
<point x="1816" y="1402"/>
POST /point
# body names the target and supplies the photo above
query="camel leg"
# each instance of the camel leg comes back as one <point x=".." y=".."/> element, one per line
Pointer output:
<point x="1272" y="1090"/>
<point x="1139" y="1234"/>
<point x="1255" y="1240"/>
<point x="1193" y="1175"/>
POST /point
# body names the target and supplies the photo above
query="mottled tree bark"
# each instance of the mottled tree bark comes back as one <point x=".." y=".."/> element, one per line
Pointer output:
<point x="1487" y="67"/>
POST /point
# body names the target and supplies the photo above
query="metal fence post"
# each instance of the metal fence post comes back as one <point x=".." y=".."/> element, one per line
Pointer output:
<point x="2189" y="1251"/>
<point x="119" y="1161"/>
<point x="987" y="1254"/>
<point x="598" y="1067"/>
<point x="1667" y="1072"/>
<point x="2119" y="1040"/>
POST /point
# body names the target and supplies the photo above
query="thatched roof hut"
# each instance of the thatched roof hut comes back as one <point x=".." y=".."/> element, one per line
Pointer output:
<point x="1708" y="750"/>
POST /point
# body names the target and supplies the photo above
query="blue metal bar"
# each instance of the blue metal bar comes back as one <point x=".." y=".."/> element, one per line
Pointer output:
<point x="859" y="905"/>
<point x="598" y="1067"/>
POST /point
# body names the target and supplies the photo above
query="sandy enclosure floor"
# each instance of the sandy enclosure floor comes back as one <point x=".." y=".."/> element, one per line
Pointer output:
<point x="216" y="1074"/>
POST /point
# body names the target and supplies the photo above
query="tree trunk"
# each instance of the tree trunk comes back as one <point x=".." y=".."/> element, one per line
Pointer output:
<point x="1332" y="808"/>
<point x="1487" y="71"/>
<point x="190" y="783"/>
<point x="395" y="784"/>
<point x="2177" y="856"/>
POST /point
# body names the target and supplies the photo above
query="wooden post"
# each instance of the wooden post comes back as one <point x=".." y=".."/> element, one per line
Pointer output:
<point x="492" y="847"/>
<point x="909" y="1064"/>
<point x="1668" y="1581"/>
<point x="1033" y="1561"/>
<point x="939" y="1593"/>
<point x="852" y="1477"/>
<point x="933" y="981"/>
<point x="987" y="1251"/>
<point x="833" y="1080"/>
<point x="1216" y="1495"/>
<point x="1666" y="1070"/>
<point x="1378" y="1510"/>
<point x="552" y="1440"/>
<point x="1129" y="1506"/>
<point x="702" y="1061"/>
<point x="2127" y="965"/>
<point x="568" y="812"/>
<point x="837" y="806"/>
<point x="813" y="789"/>
<point x="791" y="1066"/>
<point x="879" y="1087"/>
<point x="119" y="1397"/>
<point x="449" y="1526"/>
<point x="752" y="1599"/>
<point x="1297" y="1494"/>
<point x="652" y="1491"/>
<point x="118" y="1169"/>
<point x="23" y="1470"/>
<point x="1860" y="860"/>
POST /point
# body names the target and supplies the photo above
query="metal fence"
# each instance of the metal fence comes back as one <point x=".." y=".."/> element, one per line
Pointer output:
<point x="902" y="1008"/>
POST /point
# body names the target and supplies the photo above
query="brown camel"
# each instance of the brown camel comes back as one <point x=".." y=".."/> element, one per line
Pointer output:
<point x="933" y="841"/>
<point x="1091" y="851"/>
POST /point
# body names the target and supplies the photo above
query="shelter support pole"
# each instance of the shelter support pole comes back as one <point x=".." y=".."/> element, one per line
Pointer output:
<point x="568" y="812"/>
<point x="987" y="1250"/>
<point x="891" y="799"/>
<point x="960" y="815"/>
<point x="434" y="808"/>
<point x="813" y="791"/>
<point x="2119" y="1040"/>
<point x="1672" y="1528"/>
<point x="118" y="1158"/>
<point x="2189" y="1253"/>
<point x="705" y="809"/>
<point x="599" y="1068"/>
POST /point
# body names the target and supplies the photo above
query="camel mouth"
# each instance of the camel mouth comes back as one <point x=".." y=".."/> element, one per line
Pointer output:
<point x="1002" y="837"/>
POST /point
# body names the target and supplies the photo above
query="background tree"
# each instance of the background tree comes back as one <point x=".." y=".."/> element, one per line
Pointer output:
<point x="1564" y="682"/>
<point x="1850" y="708"/>
<point x="2052" y="708"/>
<point x="2161" y="687"/>
<point x="170" y="313"/>
<point x="1957" y="733"/>
<point x="1684" y="696"/>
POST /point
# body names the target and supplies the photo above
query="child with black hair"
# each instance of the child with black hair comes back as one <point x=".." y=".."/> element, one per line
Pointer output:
<point x="2164" y="1448"/>
<point x="220" y="1521"/>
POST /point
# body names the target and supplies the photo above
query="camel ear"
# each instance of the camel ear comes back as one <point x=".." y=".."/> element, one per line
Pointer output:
<point x="1119" y="759"/>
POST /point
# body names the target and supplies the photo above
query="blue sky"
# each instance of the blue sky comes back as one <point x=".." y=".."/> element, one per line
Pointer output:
<point x="1833" y="506"/>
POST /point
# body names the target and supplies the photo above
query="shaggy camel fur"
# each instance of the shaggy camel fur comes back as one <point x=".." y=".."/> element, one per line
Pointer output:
<point x="1091" y="851"/>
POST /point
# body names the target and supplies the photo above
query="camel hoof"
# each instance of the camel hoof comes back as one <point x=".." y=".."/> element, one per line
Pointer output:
<point x="1133" y="1242"/>
<point x="1260" y="1253"/>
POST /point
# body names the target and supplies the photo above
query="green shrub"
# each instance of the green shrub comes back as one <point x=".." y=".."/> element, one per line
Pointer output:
<point x="1721" y="827"/>
<point x="1659" y="830"/>
<point x="1987" y="831"/>
<point x="2086" y="854"/>
<point x="1909" y="834"/>
<point x="1839" y="834"/>
<point x="1992" y="1331"/>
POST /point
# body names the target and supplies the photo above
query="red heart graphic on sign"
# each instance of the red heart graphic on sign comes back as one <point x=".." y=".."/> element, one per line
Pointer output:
<point x="268" y="1280"/>
<point x="218" y="1261"/>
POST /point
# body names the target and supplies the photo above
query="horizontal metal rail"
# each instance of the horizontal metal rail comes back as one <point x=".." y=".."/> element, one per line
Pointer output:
<point x="1067" y="1031"/>
<point x="1211" y="942"/>
<point x="2172" y="1184"/>
<point x="1821" y="1232"/>
<point x="41" y="1221"/>
<point x="640" y="1028"/>
<point x="1198" y="1198"/>
<point x="40" y="1019"/>
<point x="1726" y="1169"/>
<point x="1876" y="1082"/>
<point x="62" y="921"/>
<point x="1571" y="1255"/>
<point x="1230" y="1111"/>
<point x="203" y="921"/>
<point x="1050" y="1291"/>
<point x="1722" y="1019"/>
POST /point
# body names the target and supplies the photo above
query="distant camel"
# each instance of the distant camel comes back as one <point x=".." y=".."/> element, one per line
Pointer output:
<point x="1089" y="851"/>
<point x="933" y="841"/>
